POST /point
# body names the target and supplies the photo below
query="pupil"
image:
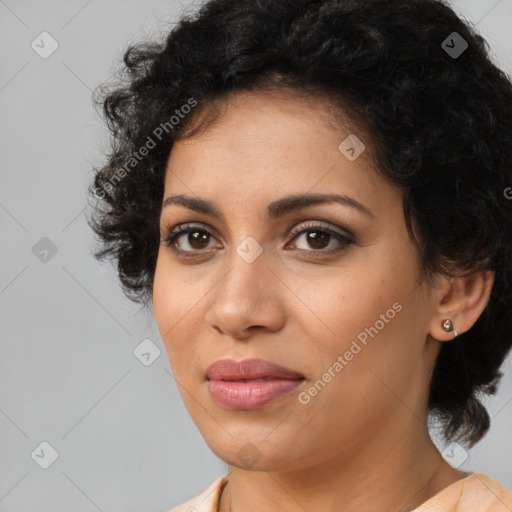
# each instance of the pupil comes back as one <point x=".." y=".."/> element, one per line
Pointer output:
<point x="313" y="237"/>
<point x="195" y="236"/>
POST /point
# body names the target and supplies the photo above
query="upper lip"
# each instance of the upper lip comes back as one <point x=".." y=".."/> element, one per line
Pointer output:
<point x="249" y="369"/>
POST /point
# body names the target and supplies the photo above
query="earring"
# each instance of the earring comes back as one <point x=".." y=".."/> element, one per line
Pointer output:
<point x="449" y="327"/>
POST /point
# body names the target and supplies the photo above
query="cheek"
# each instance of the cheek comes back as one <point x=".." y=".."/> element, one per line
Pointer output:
<point x="355" y="304"/>
<point x="368" y="327"/>
<point x="178" y="313"/>
<point x="360" y="385"/>
<point x="162" y="303"/>
<point x="168" y="308"/>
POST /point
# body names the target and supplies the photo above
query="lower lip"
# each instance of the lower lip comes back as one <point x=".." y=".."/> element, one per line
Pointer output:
<point x="253" y="394"/>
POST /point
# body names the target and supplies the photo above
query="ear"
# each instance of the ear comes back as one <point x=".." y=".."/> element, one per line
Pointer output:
<point x="462" y="300"/>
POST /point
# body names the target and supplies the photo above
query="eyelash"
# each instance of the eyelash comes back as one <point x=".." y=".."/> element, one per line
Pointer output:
<point x="180" y="229"/>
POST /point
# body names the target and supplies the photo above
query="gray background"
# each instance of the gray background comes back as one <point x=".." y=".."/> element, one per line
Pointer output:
<point x="68" y="375"/>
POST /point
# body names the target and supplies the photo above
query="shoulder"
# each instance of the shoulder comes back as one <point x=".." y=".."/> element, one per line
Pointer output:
<point x="207" y="501"/>
<point x="485" y="493"/>
<point x="477" y="492"/>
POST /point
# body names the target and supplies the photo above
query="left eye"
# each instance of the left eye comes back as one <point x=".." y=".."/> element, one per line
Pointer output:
<point x="317" y="237"/>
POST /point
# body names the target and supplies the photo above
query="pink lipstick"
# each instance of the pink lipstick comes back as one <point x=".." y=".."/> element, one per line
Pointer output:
<point x="250" y="383"/>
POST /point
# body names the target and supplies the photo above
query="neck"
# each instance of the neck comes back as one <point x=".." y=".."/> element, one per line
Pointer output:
<point x="383" y="473"/>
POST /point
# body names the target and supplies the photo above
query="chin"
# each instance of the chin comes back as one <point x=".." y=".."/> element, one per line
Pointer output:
<point x="256" y="450"/>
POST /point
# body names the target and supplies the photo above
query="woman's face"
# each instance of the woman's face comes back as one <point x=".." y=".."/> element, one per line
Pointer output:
<point x="331" y="291"/>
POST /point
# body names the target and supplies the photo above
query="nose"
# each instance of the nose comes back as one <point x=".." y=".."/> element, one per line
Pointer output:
<point x="247" y="298"/>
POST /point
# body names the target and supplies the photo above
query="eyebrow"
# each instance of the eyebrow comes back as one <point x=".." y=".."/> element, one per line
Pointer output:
<point x="276" y="209"/>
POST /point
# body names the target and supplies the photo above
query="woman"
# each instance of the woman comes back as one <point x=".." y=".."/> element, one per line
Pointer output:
<point x="314" y="197"/>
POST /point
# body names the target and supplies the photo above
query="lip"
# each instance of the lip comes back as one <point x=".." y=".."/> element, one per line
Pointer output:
<point x="249" y="383"/>
<point x="249" y="369"/>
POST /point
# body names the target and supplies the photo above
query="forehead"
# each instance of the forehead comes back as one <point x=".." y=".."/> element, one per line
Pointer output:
<point x="265" y="146"/>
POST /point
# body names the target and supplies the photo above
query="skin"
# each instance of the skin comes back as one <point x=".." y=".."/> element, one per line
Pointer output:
<point x="366" y="429"/>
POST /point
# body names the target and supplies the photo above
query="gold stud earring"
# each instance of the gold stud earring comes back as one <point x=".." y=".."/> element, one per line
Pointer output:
<point x="448" y="326"/>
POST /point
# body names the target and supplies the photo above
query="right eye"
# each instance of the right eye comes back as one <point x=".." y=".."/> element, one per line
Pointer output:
<point x="197" y="239"/>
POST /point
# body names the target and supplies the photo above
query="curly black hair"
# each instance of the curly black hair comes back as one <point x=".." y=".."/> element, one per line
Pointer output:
<point x="415" y="75"/>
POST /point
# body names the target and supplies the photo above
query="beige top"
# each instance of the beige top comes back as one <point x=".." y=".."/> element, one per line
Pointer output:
<point x="475" y="493"/>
